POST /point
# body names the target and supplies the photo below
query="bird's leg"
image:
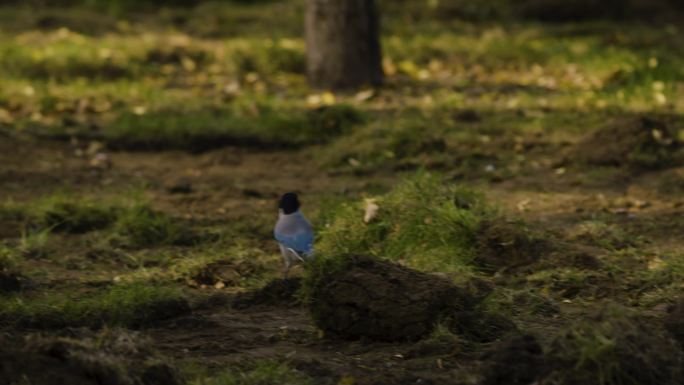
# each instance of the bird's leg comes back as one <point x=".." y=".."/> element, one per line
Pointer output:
<point x="287" y="266"/>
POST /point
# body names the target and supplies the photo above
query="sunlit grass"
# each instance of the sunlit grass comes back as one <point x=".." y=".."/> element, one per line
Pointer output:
<point x="106" y="79"/>
<point x="423" y="222"/>
<point x="131" y="305"/>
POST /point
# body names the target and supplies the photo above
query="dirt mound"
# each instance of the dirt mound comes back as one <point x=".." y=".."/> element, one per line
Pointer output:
<point x="674" y="322"/>
<point x="614" y="347"/>
<point x="381" y="301"/>
<point x="503" y="245"/>
<point x="634" y="142"/>
<point x="111" y="358"/>
<point x="517" y="360"/>
<point x="276" y="292"/>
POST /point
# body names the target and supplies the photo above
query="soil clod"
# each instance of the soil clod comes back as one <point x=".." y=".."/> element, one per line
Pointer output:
<point x="505" y="245"/>
<point x="111" y="357"/>
<point x="643" y="143"/>
<point x="383" y="301"/>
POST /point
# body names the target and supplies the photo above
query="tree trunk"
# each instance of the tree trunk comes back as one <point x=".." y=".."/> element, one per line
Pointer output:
<point x="343" y="47"/>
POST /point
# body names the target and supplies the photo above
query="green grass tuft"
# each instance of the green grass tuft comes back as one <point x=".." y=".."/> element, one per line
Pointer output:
<point x="424" y="222"/>
<point x="141" y="226"/>
<point x="260" y="372"/>
<point x="65" y="213"/>
<point x="10" y="259"/>
<point x="206" y="129"/>
<point x="133" y="305"/>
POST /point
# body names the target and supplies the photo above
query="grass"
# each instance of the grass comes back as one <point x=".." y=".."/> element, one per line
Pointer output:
<point x="259" y="372"/>
<point x="174" y="90"/>
<point x="520" y="303"/>
<point x="34" y="244"/>
<point x="661" y="281"/>
<point x="10" y="260"/>
<point x="209" y="128"/>
<point x="606" y="236"/>
<point x="129" y="222"/>
<point x="62" y="212"/>
<point x="141" y="226"/>
<point x="615" y="348"/>
<point x="424" y="222"/>
<point x="132" y="305"/>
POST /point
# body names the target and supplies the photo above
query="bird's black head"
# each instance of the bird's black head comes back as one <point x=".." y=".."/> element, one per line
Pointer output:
<point x="289" y="203"/>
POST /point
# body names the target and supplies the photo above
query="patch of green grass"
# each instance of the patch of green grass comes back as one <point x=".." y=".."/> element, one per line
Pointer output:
<point x="133" y="224"/>
<point x="424" y="222"/>
<point x="662" y="280"/>
<point x="568" y="282"/>
<point x="519" y="303"/>
<point x="606" y="236"/>
<point x="208" y="128"/>
<point x="131" y="305"/>
<point x="388" y="141"/>
<point x="10" y="259"/>
<point x="34" y="243"/>
<point x="260" y="372"/>
<point x="235" y="266"/>
<point x="63" y="212"/>
<point x="66" y="213"/>
<point x="140" y="226"/>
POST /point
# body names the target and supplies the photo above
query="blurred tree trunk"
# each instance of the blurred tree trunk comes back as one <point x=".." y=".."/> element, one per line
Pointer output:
<point x="343" y="46"/>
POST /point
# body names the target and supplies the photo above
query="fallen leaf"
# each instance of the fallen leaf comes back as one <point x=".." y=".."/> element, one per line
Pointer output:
<point x="362" y="96"/>
<point x="370" y="210"/>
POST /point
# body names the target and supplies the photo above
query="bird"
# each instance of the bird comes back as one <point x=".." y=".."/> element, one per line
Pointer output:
<point x="293" y="232"/>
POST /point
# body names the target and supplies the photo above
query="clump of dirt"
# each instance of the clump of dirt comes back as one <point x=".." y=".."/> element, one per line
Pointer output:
<point x="516" y="360"/>
<point x="614" y="347"/>
<point x="643" y="143"/>
<point x="276" y="292"/>
<point x="381" y="301"/>
<point x="503" y="245"/>
<point x="112" y="357"/>
<point x="674" y="322"/>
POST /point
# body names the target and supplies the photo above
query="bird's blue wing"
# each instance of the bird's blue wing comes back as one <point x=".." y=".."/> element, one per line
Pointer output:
<point x="301" y="242"/>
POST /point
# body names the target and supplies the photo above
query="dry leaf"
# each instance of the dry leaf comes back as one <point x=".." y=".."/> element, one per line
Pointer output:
<point x="370" y="210"/>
